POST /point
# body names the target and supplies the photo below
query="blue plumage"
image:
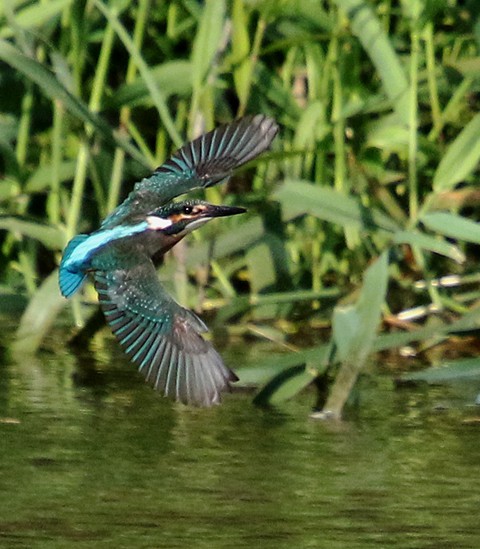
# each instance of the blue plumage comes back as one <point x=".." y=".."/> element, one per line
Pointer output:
<point x="71" y="280"/>
<point x="76" y="260"/>
<point x="162" y="338"/>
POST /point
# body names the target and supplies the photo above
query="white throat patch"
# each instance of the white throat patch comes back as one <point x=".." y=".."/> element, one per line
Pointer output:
<point x="157" y="223"/>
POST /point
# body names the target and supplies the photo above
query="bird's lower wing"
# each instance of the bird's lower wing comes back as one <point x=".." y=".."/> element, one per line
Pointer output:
<point x="163" y="339"/>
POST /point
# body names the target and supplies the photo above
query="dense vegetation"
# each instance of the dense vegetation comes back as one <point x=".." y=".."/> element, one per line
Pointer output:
<point x="365" y="209"/>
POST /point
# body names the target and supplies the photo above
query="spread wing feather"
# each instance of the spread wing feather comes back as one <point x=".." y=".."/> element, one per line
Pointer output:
<point x="214" y="155"/>
<point x="201" y="163"/>
<point x="162" y="338"/>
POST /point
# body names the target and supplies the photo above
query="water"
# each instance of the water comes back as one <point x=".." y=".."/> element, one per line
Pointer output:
<point x="104" y="462"/>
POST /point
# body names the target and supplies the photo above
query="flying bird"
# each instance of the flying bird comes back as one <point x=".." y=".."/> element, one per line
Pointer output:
<point x="158" y="335"/>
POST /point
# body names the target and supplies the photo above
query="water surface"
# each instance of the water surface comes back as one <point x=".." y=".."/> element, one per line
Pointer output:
<point x="91" y="457"/>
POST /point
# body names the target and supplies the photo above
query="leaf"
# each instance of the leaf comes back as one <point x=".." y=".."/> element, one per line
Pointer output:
<point x="207" y="40"/>
<point x="354" y="327"/>
<point x="37" y="319"/>
<point x="453" y="226"/>
<point x="241" y="60"/>
<point x="9" y="188"/>
<point x="227" y="243"/>
<point x="431" y="243"/>
<point x="367" y="27"/>
<point x="41" y="178"/>
<point x="300" y="197"/>
<point x="172" y="77"/>
<point x="38" y="73"/>
<point x="51" y="237"/>
<point x="268" y="269"/>
<point x="453" y="370"/>
<point x="241" y="304"/>
<point x="312" y="126"/>
<point x="461" y="158"/>
<point x="35" y="15"/>
<point x="354" y="333"/>
<point x="271" y="90"/>
<point x="270" y="367"/>
<point x="469" y="321"/>
<point x="261" y="267"/>
<point x="345" y="324"/>
<point x="144" y="70"/>
<point x="284" y="385"/>
<point x="387" y="134"/>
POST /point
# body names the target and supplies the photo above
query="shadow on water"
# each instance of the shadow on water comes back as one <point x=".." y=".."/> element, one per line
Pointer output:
<point x="92" y="457"/>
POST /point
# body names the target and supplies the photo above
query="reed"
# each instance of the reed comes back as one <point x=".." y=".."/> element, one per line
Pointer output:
<point x="370" y="185"/>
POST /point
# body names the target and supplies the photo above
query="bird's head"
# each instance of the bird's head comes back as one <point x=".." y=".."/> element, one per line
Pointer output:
<point x="180" y="218"/>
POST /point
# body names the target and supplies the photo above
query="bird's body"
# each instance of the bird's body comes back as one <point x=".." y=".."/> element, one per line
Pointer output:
<point x="162" y="338"/>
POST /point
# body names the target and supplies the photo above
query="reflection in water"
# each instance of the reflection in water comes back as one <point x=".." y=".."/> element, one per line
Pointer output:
<point x="97" y="459"/>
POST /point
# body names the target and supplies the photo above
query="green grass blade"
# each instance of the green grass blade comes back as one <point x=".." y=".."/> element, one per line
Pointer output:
<point x="354" y="330"/>
<point x="34" y="15"/>
<point x="285" y="385"/>
<point x="300" y="197"/>
<point x="37" y="319"/>
<point x="145" y="72"/>
<point x="354" y="327"/>
<point x="452" y="370"/>
<point x="242" y="63"/>
<point x="172" y="77"/>
<point x="453" y="226"/>
<point x="206" y="50"/>
<point x="40" y="179"/>
<point x="228" y="243"/>
<point x="270" y="367"/>
<point x="368" y="29"/>
<point x="461" y="158"/>
<point x="50" y="237"/>
<point x="52" y="88"/>
<point x="206" y="41"/>
<point x="430" y="243"/>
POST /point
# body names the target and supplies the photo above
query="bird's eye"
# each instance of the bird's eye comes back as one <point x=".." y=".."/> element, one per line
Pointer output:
<point x="187" y="210"/>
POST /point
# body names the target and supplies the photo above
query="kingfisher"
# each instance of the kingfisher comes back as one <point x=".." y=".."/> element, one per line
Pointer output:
<point x="162" y="338"/>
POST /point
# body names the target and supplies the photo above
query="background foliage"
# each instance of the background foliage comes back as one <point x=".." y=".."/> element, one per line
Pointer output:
<point x="365" y="208"/>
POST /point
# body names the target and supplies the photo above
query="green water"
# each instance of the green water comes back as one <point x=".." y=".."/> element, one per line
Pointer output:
<point x="104" y="462"/>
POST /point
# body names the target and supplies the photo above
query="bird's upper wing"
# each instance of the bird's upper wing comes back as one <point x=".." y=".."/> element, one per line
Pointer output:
<point x="162" y="338"/>
<point x="201" y="163"/>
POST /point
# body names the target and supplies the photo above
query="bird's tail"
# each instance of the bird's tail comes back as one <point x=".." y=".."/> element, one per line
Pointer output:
<point x="70" y="281"/>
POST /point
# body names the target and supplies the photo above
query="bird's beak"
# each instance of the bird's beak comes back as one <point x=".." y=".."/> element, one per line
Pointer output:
<point x="222" y="211"/>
